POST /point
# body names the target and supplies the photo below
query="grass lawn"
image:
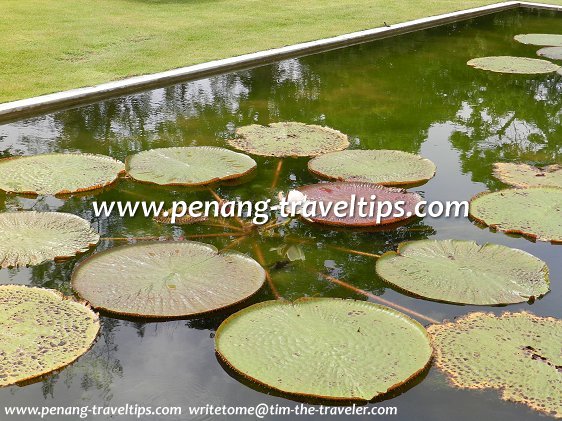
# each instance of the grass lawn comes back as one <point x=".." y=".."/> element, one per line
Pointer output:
<point x="53" y="45"/>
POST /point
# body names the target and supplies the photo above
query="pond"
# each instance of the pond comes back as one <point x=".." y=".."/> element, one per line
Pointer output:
<point x="412" y="92"/>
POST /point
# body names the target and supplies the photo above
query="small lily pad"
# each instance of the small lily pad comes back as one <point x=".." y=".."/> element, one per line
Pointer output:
<point x="288" y="139"/>
<point x="31" y="238"/>
<point x="515" y="65"/>
<point x="324" y="347"/>
<point x="41" y="331"/>
<point x="535" y="212"/>
<point x="517" y="354"/>
<point x="385" y="167"/>
<point x="464" y="272"/>
<point x="523" y="175"/>
<point x="553" y="53"/>
<point x="547" y="40"/>
<point x="188" y="166"/>
<point x="165" y="280"/>
<point x="57" y="173"/>
<point x="326" y="195"/>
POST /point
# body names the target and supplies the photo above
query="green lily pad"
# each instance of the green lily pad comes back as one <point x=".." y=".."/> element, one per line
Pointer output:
<point x="385" y="167"/>
<point x="324" y="347"/>
<point x="516" y="65"/>
<point x="553" y="53"/>
<point x="188" y="166"/>
<point x="165" y="280"/>
<point x="53" y="174"/>
<point x="464" y="272"/>
<point x="523" y="175"/>
<point x="41" y="331"/>
<point x="288" y="139"/>
<point x="535" y="212"/>
<point x="517" y="353"/>
<point x="31" y="238"/>
<point x="547" y="40"/>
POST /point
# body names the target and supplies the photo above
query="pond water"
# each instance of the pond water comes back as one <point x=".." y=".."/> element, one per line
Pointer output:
<point x="413" y="92"/>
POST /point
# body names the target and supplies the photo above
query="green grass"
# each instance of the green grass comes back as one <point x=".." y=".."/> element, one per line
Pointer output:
<point x="53" y="45"/>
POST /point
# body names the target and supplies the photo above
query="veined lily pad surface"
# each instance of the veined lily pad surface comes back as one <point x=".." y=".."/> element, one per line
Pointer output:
<point x="326" y="195"/>
<point x="288" y="139"/>
<point x="464" y="272"/>
<point x="324" y="347"/>
<point x="516" y="353"/>
<point x="523" y="175"/>
<point x="31" y="238"/>
<point x="547" y="40"/>
<point x="188" y="166"/>
<point x="535" y="212"/>
<point x="41" y="331"/>
<point x="57" y="173"/>
<point x="516" y="65"/>
<point x="165" y="280"/>
<point x="385" y="167"/>
<point x="553" y="53"/>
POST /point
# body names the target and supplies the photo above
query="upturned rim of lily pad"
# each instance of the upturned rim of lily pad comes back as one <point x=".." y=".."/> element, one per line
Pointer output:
<point x="59" y="296"/>
<point x="283" y="392"/>
<point x="542" y="66"/>
<point x="501" y="172"/>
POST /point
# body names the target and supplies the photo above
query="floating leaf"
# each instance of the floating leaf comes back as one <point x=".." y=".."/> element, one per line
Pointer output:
<point x="166" y="279"/>
<point x="288" y="139"/>
<point x="535" y="212"/>
<point x="464" y="272"/>
<point x="326" y="195"/>
<point x="517" y="353"/>
<point x="386" y="167"/>
<point x="553" y="53"/>
<point x="56" y="173"/>
<point x="547" y="40"/>
<point x="41" y="331"/>
<point x="31" y="238"/>
<point x="523" y="175"/>
<point x="188" y="166"/>
<point x="516" y="65"/>
<point x="324" y="347"/>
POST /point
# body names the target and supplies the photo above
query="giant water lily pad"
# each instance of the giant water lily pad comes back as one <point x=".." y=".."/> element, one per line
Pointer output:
<point x="464" y="272"/>
<point x="516" y="65"/>
<point x="324" y="347"/>
<point x="188" y="166"/>
<point x="41" y="331"/>
<point x="288" y="139"/>
<point x="326" y="195"/>
<point x="523" y="175"/>
<point x="535" y="212"/>
<point x="31" y="238"/>
<point x="518" y="354"/>
<point x="553" y="53"/>
<point x="166" y="279"/>
<point x="547" y="40"/>
<point x="52" y="174"/>
<point x="385" y="167"/>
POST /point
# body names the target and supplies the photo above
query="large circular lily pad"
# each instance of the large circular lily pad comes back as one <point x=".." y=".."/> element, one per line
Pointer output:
<point x="535" y="212"/>
<point x="523" y="175"/>
<point x="547" y="40"/>
<point x="188" y="166"/>
<point x="288" y="139"/>
<point x="464" y="272"/>
<point x="553" y="53"/>
<point x="324" y="347"/>
<point x="57" y="173"/>
<point x="517" y="353"/>
<point x="41" y="331"/>
<point x="385" y="167"/>
<point x="31" y="238"/>
<point x="326" y="195"/>
<point x="165" y="280"/>
<point x="516" y="65"/>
